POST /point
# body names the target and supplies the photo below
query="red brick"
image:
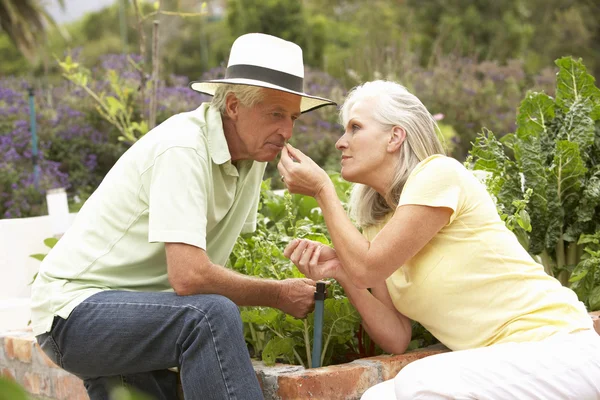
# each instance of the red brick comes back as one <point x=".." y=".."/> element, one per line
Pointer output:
<point x="18" y="348"/>
<point x="40" y="358"/>
<point x="37" y="384"/>
<point x="8" y="373"/>
<point x="392" y="364"/>
<point x="338" y="382"/>
<point x="69" y="387"/>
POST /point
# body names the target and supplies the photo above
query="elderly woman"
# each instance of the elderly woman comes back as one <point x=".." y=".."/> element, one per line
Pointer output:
<point x="434" y="250"/>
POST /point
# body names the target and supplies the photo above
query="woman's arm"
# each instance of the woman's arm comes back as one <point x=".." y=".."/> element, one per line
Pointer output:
<point x="390" y="329"/>
<point x="385" y="325"/>
<point x="366" y="263"/>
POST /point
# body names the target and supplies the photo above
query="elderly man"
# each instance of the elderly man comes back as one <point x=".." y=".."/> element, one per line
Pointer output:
<point x="136" y="286"/>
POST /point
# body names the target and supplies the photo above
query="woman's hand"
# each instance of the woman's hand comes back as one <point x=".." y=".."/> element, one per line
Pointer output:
<point x="315" y="260"/>
<point x="300" y="173"/>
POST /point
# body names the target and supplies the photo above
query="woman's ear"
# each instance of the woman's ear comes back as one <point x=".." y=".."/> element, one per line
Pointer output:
<point x="396" y="139"/>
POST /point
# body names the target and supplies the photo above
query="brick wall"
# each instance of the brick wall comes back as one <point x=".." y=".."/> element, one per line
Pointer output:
<point x="22" y="360"/>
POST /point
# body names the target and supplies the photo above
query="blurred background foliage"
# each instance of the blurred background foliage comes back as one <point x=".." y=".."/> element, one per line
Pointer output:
<point x="469" y="61"/>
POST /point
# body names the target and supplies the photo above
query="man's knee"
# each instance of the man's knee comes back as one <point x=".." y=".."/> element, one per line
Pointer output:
<point x="219" y="309"/>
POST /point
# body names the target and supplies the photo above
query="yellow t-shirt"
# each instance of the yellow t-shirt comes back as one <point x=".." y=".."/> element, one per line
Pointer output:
<point x="473" y="284"/>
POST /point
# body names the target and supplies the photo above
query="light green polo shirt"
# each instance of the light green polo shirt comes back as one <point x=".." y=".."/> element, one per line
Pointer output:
<point x="176" y="184"/>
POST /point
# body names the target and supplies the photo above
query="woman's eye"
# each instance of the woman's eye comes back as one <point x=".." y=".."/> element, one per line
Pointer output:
<point x="355" y="128"/>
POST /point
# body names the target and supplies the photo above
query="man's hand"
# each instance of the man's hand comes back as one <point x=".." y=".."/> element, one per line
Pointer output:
<point x="297" y="297"/>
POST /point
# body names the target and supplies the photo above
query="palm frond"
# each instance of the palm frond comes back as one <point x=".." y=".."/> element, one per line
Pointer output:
<point x="26" y="23"/>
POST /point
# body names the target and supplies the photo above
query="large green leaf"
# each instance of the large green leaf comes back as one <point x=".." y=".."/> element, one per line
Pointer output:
<point x="340" y="318"/>
<point x="577" y="126"/>
<point x="568" y="172"/>
<point x="575" y="85"/>
<point x="534" y="113"/>
<point x="278" y="348"/>
<point x="594" y="299"/>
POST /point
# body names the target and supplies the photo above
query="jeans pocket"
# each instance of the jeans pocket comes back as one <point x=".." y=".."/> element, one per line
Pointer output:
<point x="49" y="346"/>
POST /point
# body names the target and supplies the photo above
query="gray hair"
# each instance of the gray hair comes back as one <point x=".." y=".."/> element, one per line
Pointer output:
<point x="247" y="95"/>
<point x="393" y="105"/>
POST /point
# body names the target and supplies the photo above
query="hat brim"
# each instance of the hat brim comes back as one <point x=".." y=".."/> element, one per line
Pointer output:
<point x="308" y="103"/>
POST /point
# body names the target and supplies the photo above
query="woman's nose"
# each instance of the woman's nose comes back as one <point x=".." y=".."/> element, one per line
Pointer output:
<point x="341" y="143"/>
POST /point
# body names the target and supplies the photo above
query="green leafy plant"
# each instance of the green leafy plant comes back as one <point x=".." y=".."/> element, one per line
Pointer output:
<point x="585" y="278"/>
<point x="10" y="390"/>
<point x="555" y="171"/>
<point x="272" y="334"/>
<point x="118" y="107"/>
<point x="50" y="243"/>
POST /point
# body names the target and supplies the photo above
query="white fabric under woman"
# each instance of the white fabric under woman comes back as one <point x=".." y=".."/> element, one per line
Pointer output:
<point x="563" y="366"/>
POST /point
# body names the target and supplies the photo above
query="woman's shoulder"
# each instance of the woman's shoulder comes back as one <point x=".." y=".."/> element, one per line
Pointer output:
<point x="437" y="165"/>
<point x="439" y="161"/>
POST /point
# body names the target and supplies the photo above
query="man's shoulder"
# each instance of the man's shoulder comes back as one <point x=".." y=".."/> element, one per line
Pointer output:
<point x="187" y="129"/>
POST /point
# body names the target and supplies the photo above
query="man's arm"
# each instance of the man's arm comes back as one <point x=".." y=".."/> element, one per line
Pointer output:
<point x="190" y="271"/>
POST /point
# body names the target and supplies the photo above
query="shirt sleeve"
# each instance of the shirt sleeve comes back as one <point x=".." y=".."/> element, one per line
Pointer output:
<point x="178" y="184"/>
<point x="435" y="182"/>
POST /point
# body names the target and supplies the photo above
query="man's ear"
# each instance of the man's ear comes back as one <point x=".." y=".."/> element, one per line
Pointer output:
<point x="396" y="139"/>
<point x="232" y="106"/>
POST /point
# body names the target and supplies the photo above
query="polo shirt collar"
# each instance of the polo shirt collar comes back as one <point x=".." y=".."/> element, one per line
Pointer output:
<point x="217" y="145"/>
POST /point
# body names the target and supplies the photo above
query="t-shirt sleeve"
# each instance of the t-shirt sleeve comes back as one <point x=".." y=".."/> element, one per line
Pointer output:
<point x="177" y="186"/>
<point x="436" y="183"/>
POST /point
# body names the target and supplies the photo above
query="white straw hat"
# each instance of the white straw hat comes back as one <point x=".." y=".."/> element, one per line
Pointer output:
<point x="267" y="61"/>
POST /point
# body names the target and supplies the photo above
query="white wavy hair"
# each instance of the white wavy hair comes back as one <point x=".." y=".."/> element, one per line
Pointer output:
<point x="392" y="105"/>
<point x="247" y="95"/>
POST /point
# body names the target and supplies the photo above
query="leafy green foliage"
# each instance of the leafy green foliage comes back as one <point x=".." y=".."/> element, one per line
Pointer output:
<point x="556" y="157"/>
<point x="272" y="334"/>
<point x="50" y="243"/>
<point x="10" y="390"/>
<point x="585" y="280"/>
<point x="118" y="108"/>
<point x="283" y="18"/>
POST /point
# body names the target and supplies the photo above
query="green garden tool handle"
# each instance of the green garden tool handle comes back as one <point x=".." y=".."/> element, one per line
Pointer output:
<point x="320" y="295"/>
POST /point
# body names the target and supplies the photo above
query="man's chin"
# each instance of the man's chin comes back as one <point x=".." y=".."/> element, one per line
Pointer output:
<point x="267" y="157"/>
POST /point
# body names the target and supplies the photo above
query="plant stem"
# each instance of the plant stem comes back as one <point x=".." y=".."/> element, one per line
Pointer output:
<point x="299" y="358"/>
<point x="324" y="351"/>
<point x="155" y="65"/>
<point x="560" y="262"/>
<point x="572" y="250"/>
<point x="547" y="263"/>
<point x="307" y="343"/>
<point x="257" y="347"/>
<point x="361" y="349"/>
<point x="140" y="29"/>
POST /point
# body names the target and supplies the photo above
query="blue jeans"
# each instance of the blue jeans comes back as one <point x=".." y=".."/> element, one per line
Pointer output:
<point x="132" y="338"/>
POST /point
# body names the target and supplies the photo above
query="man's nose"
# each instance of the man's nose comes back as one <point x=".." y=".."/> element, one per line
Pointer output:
<point x="287" y="129"/>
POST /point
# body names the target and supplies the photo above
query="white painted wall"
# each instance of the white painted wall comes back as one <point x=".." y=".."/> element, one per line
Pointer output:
<point x="20" y="237"/>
